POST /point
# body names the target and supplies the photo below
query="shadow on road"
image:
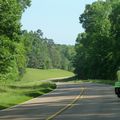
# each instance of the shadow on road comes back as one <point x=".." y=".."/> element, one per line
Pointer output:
<point x="98" y="102"/>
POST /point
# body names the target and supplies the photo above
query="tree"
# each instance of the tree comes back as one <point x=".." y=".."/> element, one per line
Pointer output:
<point x="115" y="30"/>
<point x="43" y="53"/>
<point x="11" y="43"/>
<point x="95" y="47"/>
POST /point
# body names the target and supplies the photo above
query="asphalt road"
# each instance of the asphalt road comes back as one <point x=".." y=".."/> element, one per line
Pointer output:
<point x="86" y="101"/>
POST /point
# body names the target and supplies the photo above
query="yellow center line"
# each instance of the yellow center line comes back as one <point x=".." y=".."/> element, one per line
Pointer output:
<point x="70" y="105"/>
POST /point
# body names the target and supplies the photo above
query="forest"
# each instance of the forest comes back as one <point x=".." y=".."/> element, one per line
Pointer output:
<point x="20" y="49"/>
<point x="96" y="54"/>
<point x="98" y="47"/>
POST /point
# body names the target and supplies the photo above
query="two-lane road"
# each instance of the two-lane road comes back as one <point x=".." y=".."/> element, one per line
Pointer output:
<point x="86" y="101"/>
<point x="98" y="103"/>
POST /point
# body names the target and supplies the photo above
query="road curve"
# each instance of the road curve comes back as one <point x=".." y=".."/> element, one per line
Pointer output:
<point x="86" y="101"/>
<point x="43" y="107"/>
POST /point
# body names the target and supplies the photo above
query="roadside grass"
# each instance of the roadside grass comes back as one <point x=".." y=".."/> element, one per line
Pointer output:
<point x="18" y="92"/>
<point x="108" y="82"/>
<point x="30" y="86"/>
<point x="75" y="80"/>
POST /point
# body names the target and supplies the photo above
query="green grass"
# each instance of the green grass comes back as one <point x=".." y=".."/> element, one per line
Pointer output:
<point x="18" y="92"/>
<point x="45" y="74"/>
<point x="73" y="79"/>
<point x="31" y="86"/>
<point x="108" y="82"/>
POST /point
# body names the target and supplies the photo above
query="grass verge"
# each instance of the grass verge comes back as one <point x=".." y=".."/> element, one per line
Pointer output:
<point x="31" y="86"/>
<point x="108" y="82"/>
<point x="14" y="93"/>
<point x="73" y="79"/>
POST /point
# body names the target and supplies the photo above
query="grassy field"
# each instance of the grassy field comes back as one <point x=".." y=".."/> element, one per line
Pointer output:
<point x="45" y="74"/>
<point x="30" y="86"/>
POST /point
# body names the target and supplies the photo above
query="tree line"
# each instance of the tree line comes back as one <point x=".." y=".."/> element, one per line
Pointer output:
<point x="96" y="54"/>
<point x="43" y="53"/>
<point x="20" y="49"/>
<point x="98" y="48"/>
<point x="12" y="52"/>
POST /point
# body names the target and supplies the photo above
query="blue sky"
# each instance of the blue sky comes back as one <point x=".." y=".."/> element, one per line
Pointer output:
<point x="58" y="19"/>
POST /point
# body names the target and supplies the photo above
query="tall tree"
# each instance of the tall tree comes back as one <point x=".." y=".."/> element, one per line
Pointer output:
<point x="115" y="31"/>
<point x="94" y="58"/>
<point x="11" y="44"/>
<point x="43" y="53"/>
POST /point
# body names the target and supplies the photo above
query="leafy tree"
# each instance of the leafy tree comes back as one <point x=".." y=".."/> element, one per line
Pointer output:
<point x="11" y="43"/>
<point x="43" y="53"/>
<point x="97" y="54"/>
<point x="115" y="30"/>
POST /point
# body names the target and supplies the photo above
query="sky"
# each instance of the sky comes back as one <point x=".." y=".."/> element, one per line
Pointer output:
<point x="58" y="19"/>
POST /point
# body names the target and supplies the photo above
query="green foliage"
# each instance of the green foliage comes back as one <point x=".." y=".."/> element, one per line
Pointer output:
<point x="115" y="30"/>
<point x="10" y="14"/>
<point x="8" y="66"/>
<point x="97" y="56"/>
<point x="12" y="51"/>
<point x="20" y="58"/>
<point x="43" y="53"/>
<point x="19" y="49"/>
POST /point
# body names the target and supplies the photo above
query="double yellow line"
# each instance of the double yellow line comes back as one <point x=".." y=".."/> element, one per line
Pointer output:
<point x="70" y="105"/>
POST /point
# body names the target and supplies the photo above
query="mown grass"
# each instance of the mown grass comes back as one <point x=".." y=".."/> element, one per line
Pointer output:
<point x="45" y="74"/>
<point x="31" y="86"/>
